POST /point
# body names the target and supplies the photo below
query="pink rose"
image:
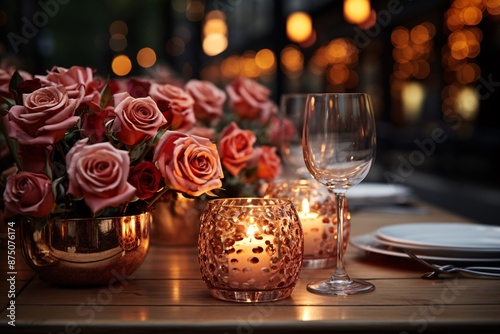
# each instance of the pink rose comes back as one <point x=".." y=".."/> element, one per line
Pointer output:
<point x="250" y="100"/>
<point x="99" y="173"/>
<point x="202" y="131"/>
<point x="146" y="178"/>
<point x="208" y="99"/>
<point x="268" y="163"/>
<point x="77" y="80"/>
<point x="189" y="164"/>
<point x="180" y="105"/>
<point x="43" y="120"/>
<point x="281" y="130"/>
<point x="136" y="120"/>
<point x="28" y="194"/>
<point x="236" y="147"/>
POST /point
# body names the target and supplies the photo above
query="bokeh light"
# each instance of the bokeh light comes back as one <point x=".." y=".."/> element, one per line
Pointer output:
<point x="299" y="27"/>
<point x="146" y="57"/>
<point x="357" y="11"/>
<point x="121" y="65"/>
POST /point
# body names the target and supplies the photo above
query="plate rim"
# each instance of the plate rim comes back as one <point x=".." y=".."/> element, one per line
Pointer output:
<point x="372" y="247"/>
<point x="380" y="233"/>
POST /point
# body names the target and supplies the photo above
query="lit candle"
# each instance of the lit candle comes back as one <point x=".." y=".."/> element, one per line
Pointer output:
<point x="250" y="263"/>
<point x="312" y="227"/>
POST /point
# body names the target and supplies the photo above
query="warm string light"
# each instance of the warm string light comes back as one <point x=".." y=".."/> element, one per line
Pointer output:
<point x="459" y="54"/>
<point x="357" y="11"/>
<point x="214" y="33"/>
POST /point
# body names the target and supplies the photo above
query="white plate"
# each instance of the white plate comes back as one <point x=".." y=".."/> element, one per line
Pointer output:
<point x="375" y="193"/>
<point x="367" y="243"/>
<point x="445" y="235"/>
<point x="440" y="251"/>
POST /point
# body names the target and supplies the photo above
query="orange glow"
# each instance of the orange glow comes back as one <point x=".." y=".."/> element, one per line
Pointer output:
<point x="292" y="59"/>
<point x="214" y="44"/>
<point x="215" y="26"/>
<point x="419" y="34"/>
<point x="338" y="74"/>
<point x="370" y="22"/>
<point x="230" y="67"/>
<point x="471" y="16"/>
<point x="493" y="7"/>
<point x="146" y="57"/>
<point x="357" y="11"/>
<point x="194" y="10"/>
<point x="249" y="68"/>
<point x="299" y="27"/>
<point x="459" y="49"/>
<point x="118" y="27"/>
<point x="265" y="59"/>
<point x="121" y="65"/>
<point x="400" y="37"/>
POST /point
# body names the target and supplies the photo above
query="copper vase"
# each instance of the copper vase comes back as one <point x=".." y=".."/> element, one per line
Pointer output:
<point x="86" y="251"/>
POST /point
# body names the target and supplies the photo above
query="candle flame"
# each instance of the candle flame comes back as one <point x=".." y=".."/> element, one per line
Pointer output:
<point x="305" y="206"/>
<point x="251" y="230"/>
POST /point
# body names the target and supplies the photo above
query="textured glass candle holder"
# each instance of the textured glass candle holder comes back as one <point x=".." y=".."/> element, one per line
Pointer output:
<point x="250" y="249"/>
<point x="318" y="215"/>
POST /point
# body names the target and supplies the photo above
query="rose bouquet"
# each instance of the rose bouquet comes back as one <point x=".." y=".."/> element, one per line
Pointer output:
<point x="87" y="147"/>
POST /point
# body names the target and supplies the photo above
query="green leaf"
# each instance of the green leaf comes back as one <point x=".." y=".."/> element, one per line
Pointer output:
<point x="105" y="96"/>
<point x="136" y="151"/>
<point x="15" y="81"/>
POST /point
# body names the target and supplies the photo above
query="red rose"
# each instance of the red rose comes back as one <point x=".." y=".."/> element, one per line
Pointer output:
<point x="6" y="76"/>
<point x="236" y="148"/>
<point x="34" y="159"/>
<point x="189" y="164"/>
<point x="28" y="86"/>
<point x="138" y="88"/>
<point x="28" y="194"/>
<point x="146" y="178"/>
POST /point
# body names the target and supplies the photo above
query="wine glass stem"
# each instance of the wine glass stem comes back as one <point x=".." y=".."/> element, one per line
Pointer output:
<point x="340" y="273"/>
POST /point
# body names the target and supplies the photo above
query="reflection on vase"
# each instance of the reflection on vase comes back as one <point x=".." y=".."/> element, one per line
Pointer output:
<point x="176" y="220"/>
<point x="85" y="252"/>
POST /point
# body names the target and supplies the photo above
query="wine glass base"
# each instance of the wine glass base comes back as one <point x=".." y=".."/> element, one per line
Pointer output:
<point x="340" y="288"/>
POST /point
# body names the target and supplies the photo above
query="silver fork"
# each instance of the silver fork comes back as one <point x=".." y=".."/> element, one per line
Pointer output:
<point x="449" y="268"/>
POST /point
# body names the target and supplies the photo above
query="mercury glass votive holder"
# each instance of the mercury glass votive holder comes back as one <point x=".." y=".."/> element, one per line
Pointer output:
<point x="317" y="212"/>
<point x="250" y="249"/>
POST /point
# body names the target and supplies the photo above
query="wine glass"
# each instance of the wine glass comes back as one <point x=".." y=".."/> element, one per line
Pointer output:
<point x="338" y="143"/>
<point x="290" y="134"/>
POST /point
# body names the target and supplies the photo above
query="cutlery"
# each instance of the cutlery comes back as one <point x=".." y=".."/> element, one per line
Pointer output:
<point x="449" y="268"/>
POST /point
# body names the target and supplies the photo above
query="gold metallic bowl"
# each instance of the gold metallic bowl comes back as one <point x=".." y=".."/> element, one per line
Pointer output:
<point x="85" y="252"/>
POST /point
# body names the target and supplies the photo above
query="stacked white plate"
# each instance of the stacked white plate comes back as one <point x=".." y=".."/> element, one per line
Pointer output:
<point x="439" y="241"/>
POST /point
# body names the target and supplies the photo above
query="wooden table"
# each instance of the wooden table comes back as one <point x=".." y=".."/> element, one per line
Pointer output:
<point x="166" y="295"/>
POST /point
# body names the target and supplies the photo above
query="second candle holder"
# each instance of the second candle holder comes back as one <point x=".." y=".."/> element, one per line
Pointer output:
<point x="318" y="216"/>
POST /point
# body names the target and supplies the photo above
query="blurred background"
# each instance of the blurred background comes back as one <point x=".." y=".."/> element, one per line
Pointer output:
<point x="431" y="66"/>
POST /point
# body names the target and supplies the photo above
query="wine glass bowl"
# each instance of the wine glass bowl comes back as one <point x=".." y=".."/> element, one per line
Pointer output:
<point x="338" y="143"/>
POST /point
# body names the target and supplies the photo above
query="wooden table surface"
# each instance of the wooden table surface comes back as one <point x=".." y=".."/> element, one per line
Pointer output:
<point x="167" y="295"/>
